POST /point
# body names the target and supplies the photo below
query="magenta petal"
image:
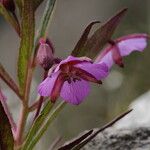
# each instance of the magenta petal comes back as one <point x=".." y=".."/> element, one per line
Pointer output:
<point x="45" y="88"/>
<point x="129" y="45"/>
<point x="68" y="59"/>
<point x="132" y="42"/>
<point x="99" y="71"/>
<point x="107" y="59"/>
<point x="106" y="56"/>
<point x="75" y="92"/>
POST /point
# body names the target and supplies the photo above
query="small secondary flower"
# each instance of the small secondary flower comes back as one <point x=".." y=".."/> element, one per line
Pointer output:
<point x="120" y="47"/>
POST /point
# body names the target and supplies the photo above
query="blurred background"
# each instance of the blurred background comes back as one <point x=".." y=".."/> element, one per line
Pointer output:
<point x="118" y="91"/>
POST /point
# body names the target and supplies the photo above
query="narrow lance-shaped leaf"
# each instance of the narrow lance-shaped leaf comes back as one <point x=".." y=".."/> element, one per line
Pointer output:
<point x="8" y="80"/>
<point x="45" y="20"/>
<point x="96" y="42"/>
<point x="37" y="124"/>
<point x="6" y="136"/>
<point x="9" y="18"/>
<point x="47" y="123"/>
<point x="78" y="48"/>
<point x="27" y="40"/>
<point x="75" y="142"/>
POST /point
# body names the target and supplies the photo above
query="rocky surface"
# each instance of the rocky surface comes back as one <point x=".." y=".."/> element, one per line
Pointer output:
<point x="113" y="139"/>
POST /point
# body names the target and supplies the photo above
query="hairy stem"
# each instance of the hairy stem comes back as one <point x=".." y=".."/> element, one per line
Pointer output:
<point x="21" y="125"/>
<point x="25" y="70"/>
<point x="25" y="109"/>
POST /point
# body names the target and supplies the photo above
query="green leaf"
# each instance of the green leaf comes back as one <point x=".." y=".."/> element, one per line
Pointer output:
<point x="6" y="136"/>
<point x="9" y="18"/>
<point x="37" y="124"/>
<point x="46" y="124"/>
<point x="46" y="17"/>
<point x="83" y="39"/>
<point x="27" y="41"/>
<point x="100" y="37"/>
<point x="45" y="20"/>
<point x="8" y="80"/>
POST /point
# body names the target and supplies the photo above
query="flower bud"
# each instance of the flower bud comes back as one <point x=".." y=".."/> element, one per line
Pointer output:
<point x="45" y="55"/>
<point x="8" y="4"/>
<point x="50" y="45"/>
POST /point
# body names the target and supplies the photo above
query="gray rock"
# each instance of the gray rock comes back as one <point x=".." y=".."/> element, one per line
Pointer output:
<point x="140" y="116"/>
<point x="112" y="139"/>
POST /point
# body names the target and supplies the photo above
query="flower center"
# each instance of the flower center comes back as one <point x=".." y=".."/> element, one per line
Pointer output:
<point x="70" y="74"/>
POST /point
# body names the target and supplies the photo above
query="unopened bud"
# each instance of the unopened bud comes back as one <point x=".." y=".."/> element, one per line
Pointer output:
<point x="45" y="55"/>
<point x="8" y="4"/>
<point x="48" y="41"/>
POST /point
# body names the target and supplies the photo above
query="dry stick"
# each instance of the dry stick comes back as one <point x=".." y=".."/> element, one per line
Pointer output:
<point x="102" y="129"/>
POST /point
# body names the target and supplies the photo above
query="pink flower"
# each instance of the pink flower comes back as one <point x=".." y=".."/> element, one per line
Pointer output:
<point x="70" y="79"/>
<point x="120" y="47"/>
